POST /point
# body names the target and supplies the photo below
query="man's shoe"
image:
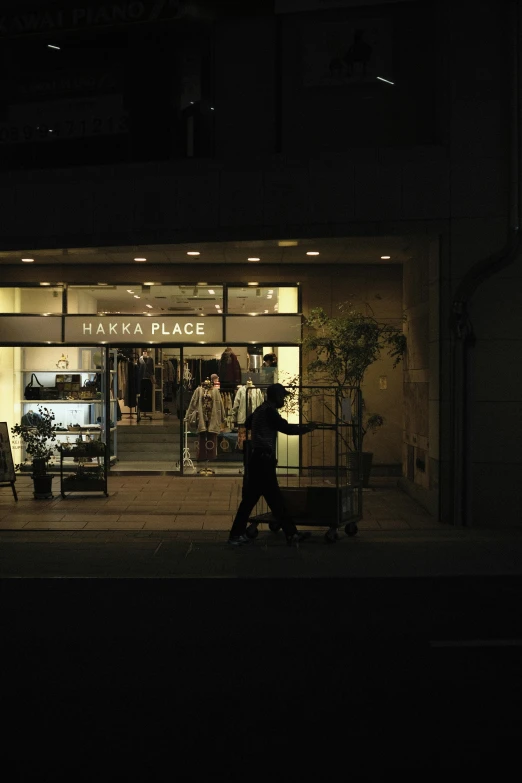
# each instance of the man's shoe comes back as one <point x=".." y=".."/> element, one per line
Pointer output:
<point x="297" y="538"/>
<point x="238" y="541"/>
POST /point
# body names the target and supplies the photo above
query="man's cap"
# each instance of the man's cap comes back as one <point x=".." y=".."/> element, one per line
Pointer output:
<point x="276" y="389"/>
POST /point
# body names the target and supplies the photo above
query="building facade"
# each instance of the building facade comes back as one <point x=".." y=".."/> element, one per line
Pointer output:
<point x="356" y="130"/>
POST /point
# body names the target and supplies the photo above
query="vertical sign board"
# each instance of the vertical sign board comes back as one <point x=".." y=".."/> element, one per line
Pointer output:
<point x="7" y="471"/>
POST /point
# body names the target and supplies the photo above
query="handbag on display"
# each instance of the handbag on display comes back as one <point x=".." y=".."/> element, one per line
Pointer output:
<point x="88" y="391"/>
<point x="37" y="391"/>
<point x="32" y="390"/>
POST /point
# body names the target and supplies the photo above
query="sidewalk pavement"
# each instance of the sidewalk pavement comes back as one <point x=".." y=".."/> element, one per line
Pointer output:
<point x="170" y="527"/>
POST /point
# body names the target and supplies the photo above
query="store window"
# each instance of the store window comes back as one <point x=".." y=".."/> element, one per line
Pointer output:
<point x="151" y="299"/>
<point x="44" y="299"/>
<point x="265" y="300"/>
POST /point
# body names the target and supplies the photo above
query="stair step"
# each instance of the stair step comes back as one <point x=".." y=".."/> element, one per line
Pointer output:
<point x="158" y="448"/>
<point x="148" y="456"/>
<point x="138" y="437"/>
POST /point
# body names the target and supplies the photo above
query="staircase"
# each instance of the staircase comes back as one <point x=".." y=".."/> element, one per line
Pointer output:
<point x="148" y="443"/>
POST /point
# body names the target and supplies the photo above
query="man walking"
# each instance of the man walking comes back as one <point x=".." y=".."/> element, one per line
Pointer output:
<point x="261" y="480"/>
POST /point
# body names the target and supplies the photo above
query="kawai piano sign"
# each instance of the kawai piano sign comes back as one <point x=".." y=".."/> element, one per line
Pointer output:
<point x="133" y="329"/>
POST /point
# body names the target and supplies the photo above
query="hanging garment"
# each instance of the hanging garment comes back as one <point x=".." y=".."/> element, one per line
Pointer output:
<point x="229" y="369"/>
<point x="146" y="395"/>
<point x="246" y="402"/>
<point x="146" y="365"/>
<point x="208" y="408"/>
<point x="131" y="386"/>
<point x="207" y="446"/>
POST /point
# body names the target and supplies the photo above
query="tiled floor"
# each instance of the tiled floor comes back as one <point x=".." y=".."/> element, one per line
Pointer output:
<point x="176" y="503"/>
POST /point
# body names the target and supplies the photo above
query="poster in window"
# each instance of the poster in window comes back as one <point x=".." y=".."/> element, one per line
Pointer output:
<point x="347" y="53"/>
<point x="7" y="472"/>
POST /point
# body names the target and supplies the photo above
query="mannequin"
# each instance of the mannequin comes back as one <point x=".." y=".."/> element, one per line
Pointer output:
<point x="247" y="399"/>
<point x="206" y="404"/>
<point x="147" y="379"/>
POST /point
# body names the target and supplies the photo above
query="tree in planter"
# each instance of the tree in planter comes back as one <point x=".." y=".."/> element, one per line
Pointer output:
<point x="344" y="347"/>
<point x="38" y="432"/>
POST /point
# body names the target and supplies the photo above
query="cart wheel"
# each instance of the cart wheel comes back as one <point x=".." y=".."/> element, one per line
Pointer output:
<point x="252" y="531"/>
<point x="274" y="526"/>
<point x="351" y="529"/>
<point x="331" y="536"/>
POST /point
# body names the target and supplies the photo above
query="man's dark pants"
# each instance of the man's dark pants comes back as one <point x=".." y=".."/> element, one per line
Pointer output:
<point x="261" y="481"/>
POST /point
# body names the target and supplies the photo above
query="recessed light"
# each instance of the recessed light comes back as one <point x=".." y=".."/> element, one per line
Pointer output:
<point x="270" y="290"/>
<point x="140" y="259"/>
<point x="52" y="46"/>
<point x="220" y="311"/>
<point x="385" y="258"/>
<point x="253" y="259"/>
<point x="217" y="307"/>
<point x="193" y="253"/>
<point x="312" y="252"/>
<point x="211" y="291"/>
<point x="288" y="242"/>
<point x="149" y="283"/>
<point x="28" y="260"/>
<point x="269" y="296"/>
<point x="149" y="306"/>
<point x="382" y="79"/>
<point x="102" y="284"/>
<point x="136" y="296"/>
<point x="252" y="283"/>
<point x="129" y="291"/>
<point x="45" y="284"/>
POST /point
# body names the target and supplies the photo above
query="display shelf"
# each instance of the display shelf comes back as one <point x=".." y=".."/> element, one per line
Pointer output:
<point x="78" y="476"/>
<point x="75" y="410"/>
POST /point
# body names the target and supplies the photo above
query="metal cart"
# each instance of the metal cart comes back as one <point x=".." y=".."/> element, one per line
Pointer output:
<point x="320" y="474"/>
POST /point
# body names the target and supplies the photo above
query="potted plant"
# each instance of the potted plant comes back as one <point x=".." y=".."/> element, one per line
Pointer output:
<point x="344" y="347"/>
<point x="38" y="432"/>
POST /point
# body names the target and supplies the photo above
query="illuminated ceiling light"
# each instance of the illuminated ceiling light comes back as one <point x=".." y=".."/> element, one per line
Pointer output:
<point x="288" y="243"/>
<point x="220" y="311"/>
<point x="216" y="306"/>
<point x="312" y="252"/>
<point x="136" y="296"/>
<point x="193" y="253"/>
<point x="384" y="80"/>
<point x="52" y="46"/>
<point x="149" y="283"/>
<point x="385" y="258"/>
<point x="211" y="291"/>
<point x="253" y="259"/>
<point x="252" y="283"/>
<point x="140" y="259"/>
<point x="269" y="296"/>
<point x="266" y="311"/>
<point x="149" y="306"/>
<point x="270" y="290"/>
<point x="28" y="260"/>
<point x="102" y="284"/>
<point x="45" y="284"/>
<point x="129" y="291"/>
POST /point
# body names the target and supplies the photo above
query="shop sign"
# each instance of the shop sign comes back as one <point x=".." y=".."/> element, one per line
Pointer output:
<point x="134" y="329"/>
<point x="264" y="329"/>
<point x="75" y="16"/>
<point x="21" y="329"/>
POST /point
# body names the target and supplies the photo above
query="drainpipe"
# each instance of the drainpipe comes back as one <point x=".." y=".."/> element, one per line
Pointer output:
<point x="463" y="337"/>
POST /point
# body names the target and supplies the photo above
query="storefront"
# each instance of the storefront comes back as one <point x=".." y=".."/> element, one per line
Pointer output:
<point x="166" y="391"/>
